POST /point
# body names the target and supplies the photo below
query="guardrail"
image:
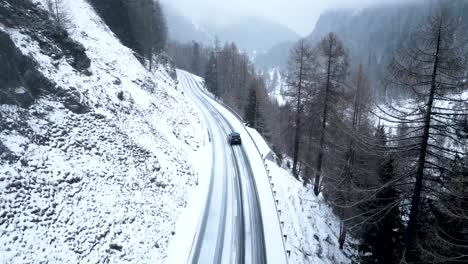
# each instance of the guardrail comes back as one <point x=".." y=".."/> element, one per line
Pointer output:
<point x="273" y="192"/>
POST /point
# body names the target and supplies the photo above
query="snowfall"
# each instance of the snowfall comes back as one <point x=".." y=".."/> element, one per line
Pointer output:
<point x="112" y="185"/>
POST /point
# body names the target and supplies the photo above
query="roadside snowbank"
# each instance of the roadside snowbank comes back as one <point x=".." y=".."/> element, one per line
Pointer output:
<point x="309" y="224"/>
<point x="259" y="142"/>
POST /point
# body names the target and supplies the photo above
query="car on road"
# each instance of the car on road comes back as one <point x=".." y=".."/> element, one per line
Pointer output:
<point x="234" y="139"/>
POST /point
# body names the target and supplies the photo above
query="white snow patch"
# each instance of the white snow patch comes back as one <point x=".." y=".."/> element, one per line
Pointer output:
<point x="14" y="142"/>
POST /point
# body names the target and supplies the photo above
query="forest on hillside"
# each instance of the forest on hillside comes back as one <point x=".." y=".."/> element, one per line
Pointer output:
<point x="394" y="167"/>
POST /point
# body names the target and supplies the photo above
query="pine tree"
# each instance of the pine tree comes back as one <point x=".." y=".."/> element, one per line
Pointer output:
<point x="159" y="28"/>
<point x="252" y="108"/>
<point x="196" y="59"/>
<point x="211" y="75"/>
<point x="382" y="239"/>
<point x="148" y="27"/>
<point x="446" y="226"/>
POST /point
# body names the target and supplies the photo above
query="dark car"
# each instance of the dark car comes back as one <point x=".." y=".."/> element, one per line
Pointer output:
<point x="234" y="139"/>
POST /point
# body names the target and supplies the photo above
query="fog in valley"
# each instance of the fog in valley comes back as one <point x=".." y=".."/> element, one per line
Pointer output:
<point x="299" y="15"/>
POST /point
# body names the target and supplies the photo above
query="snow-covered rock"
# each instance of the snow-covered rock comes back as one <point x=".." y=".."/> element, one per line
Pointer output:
<point x="106" y="185"/>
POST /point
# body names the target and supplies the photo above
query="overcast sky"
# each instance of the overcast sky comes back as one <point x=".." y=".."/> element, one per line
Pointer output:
<point x="299" y="15"/>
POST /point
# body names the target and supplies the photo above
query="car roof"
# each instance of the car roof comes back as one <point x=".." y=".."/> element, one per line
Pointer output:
<point x="235" y="134"/>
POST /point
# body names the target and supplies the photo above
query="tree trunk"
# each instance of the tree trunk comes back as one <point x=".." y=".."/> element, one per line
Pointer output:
<point x="318" y="169"/>
<point x="57" y="16"/>
<point x="416" y="198"/>
<point x="342" y="238"/>
<point x="298" y="117"/>
<point x="308" y="172"/>
<point x="150" y="55"/>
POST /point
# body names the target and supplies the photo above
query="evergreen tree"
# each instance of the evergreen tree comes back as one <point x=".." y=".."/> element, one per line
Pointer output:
<point x="196" y="59"/>
<point x="381" y="240"/>
<point x="116" y="15"/>
<point x="257" y="104"/>
<point x="446" y="228"/>
<point x="139" y="24"/>
<point x="211" y="75"/>
<point x="252" y="108"/>
<point x="159" y="28"/>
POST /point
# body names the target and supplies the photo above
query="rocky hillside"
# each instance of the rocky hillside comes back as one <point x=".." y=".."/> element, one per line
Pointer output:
<point x="94" y="158"/>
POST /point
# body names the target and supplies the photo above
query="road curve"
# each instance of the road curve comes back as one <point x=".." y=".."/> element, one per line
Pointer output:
<point x="231" y="227"/>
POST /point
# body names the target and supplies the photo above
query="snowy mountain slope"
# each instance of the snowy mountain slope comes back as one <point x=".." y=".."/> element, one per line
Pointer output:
<point x="105" y="186"/>
<point x="310" y="225"/>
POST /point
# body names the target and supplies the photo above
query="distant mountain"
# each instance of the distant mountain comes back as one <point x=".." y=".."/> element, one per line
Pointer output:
<point x="183" y="30"/>
<point x="373" y="34"/>
<point x="255" y="35"/>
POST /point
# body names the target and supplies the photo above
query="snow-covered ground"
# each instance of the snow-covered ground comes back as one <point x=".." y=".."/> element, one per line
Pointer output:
<point x="276" y="85"/>
<point x="309" y="223"/>
<point x="102" y="187"/>
<point x="269" y="231"/>
<point x="274" y="246"/>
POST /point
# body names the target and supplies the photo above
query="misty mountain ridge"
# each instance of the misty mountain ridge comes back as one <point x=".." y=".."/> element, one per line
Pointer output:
<point x="254" y="34"/>
<point x="371" y="34"/>
<point x="184" y="30"/>
<point x="251" y="34"/>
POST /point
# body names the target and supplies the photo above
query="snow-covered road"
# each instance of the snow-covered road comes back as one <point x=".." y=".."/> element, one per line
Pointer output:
<point x="231" y="229"/>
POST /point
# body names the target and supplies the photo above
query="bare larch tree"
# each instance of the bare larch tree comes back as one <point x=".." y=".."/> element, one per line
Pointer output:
<point x="431" y="66"/>
<point x="300" y="75"/>
<point x="334" y="62"/>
